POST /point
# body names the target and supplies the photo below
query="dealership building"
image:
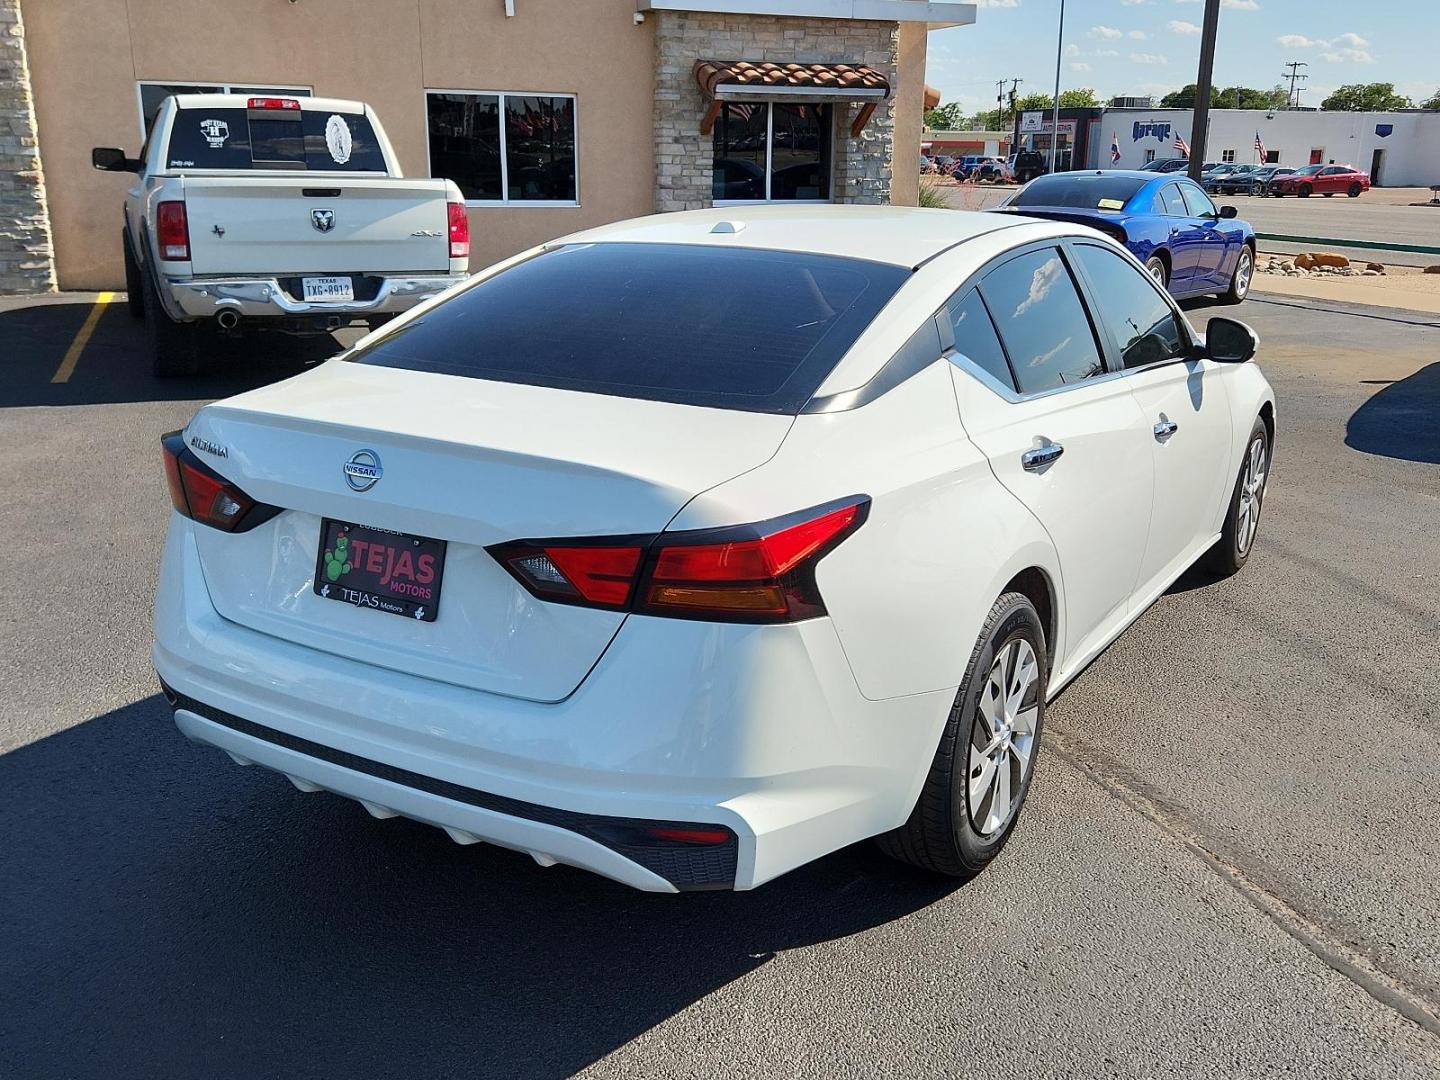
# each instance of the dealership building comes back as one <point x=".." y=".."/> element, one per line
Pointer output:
<point x="1397" y="149"/>
<point x="551" y="115"/>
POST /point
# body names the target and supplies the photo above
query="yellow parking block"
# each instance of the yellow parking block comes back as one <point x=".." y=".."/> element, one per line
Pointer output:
<point x="82" y="338"/>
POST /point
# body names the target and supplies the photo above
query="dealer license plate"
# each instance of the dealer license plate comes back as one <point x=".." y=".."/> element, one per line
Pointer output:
<point x="327" y="288"/>
<point x="381" y="570"/>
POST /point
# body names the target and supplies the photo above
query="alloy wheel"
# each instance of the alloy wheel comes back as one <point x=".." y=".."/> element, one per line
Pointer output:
<point x="1252" y="491"/>
<point x="1243" y="273"/>
<point x="1002" y="737"/>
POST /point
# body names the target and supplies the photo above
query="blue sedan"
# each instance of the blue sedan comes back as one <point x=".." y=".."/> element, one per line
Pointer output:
<point x="1187" y="244"/>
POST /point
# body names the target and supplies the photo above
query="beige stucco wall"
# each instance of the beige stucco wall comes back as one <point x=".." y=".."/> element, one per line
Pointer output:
<point x="909" y="114"/>
<point x="86" y="56"/>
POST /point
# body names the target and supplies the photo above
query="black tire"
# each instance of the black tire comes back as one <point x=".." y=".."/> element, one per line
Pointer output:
<point x="1156" y="268"/>
<point x="1239" y="290"/>
<point x="174" y="347"/>
<point x="134" y="298"/>
<point x="1327" y="194"/>
<point x="1353" y="191"/>
<point x="1234" y="548"/>
<point x="941" y="834"/>
<point x="1306" y="191"/>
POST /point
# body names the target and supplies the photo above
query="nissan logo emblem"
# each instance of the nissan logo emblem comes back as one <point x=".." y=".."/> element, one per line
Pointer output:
<point x="362" y="471"/>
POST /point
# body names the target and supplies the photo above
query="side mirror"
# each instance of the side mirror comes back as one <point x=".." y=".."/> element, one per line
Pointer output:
<point x="1229" y="212"/>
<point x="1228" y="341"/>
<point x="113" y="159"/>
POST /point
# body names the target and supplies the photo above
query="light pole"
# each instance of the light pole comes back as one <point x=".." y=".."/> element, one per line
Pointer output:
<point x="1059" y="53"/>
<point x="1200" y="125"/>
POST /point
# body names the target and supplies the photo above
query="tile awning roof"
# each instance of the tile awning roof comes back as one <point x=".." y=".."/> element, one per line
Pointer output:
<point x="722" y="78"/>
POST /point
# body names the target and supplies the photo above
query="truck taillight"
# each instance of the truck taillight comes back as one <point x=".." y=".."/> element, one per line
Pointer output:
<point x="750" y="573"/>
<point x="273" y="103"/>
<point x="172" y="231"/>
<point x="201" y="494"/>
<point x="459" y="230"/>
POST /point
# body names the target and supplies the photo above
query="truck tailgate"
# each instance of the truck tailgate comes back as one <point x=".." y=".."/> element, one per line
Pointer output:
<point x="316" y="224"/>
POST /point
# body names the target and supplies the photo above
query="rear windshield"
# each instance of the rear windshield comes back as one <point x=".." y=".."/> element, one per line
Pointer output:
<point x="273" y="139"/>
<point x="724" y="328"/>
<point x="1085" y="191"/>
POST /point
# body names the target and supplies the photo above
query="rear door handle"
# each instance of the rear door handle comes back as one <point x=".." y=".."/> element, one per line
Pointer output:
<point x="1165" y="427"/>
<point x="1036" y="460"/>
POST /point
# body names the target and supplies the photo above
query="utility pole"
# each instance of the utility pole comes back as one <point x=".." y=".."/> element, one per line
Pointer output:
<point x="1014" y="113"/>
<point x="1059" y="53"/>
<point x="1200" y="125"/>
<point x="1294" y="75"/>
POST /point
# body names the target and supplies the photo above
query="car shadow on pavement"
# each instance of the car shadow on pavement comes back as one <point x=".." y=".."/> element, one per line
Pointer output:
<point x="1401" y="420"/>
<point x="114" y="365"/>
<point x="166" y="913"/>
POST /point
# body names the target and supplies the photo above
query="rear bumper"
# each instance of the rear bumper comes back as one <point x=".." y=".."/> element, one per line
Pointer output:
<point x="187" y="299"/>
<point x="760" y="730"/>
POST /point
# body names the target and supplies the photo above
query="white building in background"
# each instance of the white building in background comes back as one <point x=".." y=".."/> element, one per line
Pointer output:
<point x="1397" y="149"/>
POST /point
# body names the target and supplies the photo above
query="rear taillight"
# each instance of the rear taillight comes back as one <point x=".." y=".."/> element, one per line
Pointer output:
<point x="172" y="231"/>
<point x="459" y="230"/>
<point x="203" y="495"/>
<point x="750" y="573"/>
<point x="288" y="104"/>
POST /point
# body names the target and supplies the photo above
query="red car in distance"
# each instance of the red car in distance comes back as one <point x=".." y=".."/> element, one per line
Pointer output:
<point x="1324" y="180"/>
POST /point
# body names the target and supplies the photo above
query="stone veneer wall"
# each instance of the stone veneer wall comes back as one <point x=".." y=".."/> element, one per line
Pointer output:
<point x="684" y="158"/>
<point x="27" y="262"/>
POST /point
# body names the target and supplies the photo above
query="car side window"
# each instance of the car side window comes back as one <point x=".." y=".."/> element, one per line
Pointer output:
<point x="1198" y="202"/>
<point x="1145" y="328"/>
<point x="1333" y="172"/>
<point x="1042" y="323"/>
<point x="1171" y="203"/>
<point x="975" y="336"/>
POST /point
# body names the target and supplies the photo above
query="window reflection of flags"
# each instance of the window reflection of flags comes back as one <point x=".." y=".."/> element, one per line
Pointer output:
<point x="1114" y="147"/>
<point x="1182" y="146"/>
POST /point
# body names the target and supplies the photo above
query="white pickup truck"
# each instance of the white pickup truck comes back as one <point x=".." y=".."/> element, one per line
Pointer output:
<point x="279" y="212"/>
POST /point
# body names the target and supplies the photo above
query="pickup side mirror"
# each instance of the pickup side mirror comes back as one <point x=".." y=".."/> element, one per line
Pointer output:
<point x="1229" y="341"/>
<point x="113" y="159"/>
<point x="1229" y="212"/>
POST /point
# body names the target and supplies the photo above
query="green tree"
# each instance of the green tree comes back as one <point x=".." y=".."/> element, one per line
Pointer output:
<point x="1184" y="98"/>
<point x="1433" y="103"/>
<point x="1365" y="97"/>
<point x="1035" y="103"/>
<point x="1083" y="98"/>
<point x="947" y="117"/>
<point x="1243" y="97"/>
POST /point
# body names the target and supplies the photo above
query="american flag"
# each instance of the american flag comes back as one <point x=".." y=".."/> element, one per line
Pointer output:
<point x="1114" y="147"/>
<point x="1182" y="145"/>
<point x="1259" y="146"/>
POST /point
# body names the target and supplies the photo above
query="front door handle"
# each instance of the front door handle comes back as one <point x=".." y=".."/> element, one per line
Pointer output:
<point x="1165" y="427"/>
<point x="1036" y="460"/>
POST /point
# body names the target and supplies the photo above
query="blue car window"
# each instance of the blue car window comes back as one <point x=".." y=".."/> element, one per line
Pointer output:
<point x="1198" y="202"/>
<point x="1171" y="203"/>
<point x="1085" y="191"/>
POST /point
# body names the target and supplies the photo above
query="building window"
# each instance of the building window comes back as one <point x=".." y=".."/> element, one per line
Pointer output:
<point x="1272" y="157"/>
<point x="151" y="94"/>
<point x="1227" y="155"/>
<point x="772" y="150"/>
<point x="1149" y="155"/>
<point x="504" y="148"/>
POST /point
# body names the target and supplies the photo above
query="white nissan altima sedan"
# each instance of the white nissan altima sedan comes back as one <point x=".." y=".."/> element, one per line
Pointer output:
<point x="689" y="549"/>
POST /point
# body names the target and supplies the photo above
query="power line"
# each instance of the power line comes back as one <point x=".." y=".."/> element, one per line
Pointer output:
<point x="1294" y="75"/>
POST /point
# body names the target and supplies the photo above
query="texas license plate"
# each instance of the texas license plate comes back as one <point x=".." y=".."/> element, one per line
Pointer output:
<point x="327" y="288"/>
<point x="385" y="571"/>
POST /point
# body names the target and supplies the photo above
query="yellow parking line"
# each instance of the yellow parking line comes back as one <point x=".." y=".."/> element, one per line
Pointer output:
<point x="82" y="338"/>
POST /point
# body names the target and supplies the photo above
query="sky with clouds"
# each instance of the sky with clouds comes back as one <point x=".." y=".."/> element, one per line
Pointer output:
<point x="1138" y="47"/>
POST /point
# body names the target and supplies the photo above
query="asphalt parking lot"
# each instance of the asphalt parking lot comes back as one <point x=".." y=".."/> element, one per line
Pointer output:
<point x="1227" y="865"/>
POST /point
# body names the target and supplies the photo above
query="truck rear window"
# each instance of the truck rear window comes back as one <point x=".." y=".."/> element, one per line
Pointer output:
<point x="696" y="325"/>
<point x="312" y="140"/>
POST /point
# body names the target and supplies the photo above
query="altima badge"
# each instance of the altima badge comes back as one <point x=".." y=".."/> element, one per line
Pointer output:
<point x="362" y="471"/>
<point x="323" y="220"/>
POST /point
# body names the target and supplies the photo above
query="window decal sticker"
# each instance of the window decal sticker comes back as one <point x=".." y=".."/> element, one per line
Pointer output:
<point x="337" y="139"/>
<point x="215" y="132"/>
